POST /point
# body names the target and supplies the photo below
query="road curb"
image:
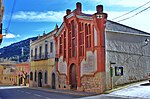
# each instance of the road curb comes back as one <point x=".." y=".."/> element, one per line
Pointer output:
<point x="63" y="92"/>
<point x="122" y="87"/>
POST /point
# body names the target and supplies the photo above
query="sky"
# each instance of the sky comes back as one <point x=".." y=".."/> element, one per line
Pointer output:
<point x="32" y="17"/>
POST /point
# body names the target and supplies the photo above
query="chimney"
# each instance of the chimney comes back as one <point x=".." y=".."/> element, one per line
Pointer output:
<point x="68" y="11"/>
<point x="79" y="6"/>
<point x="99" y="8"/>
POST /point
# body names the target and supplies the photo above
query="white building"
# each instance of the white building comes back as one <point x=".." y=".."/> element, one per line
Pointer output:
<point x="128" y="49"/>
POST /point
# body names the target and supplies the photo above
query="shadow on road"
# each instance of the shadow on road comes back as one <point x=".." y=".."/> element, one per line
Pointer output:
<point x="145" y="84"/>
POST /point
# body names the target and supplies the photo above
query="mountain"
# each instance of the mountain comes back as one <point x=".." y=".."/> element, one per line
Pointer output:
<point x="17" y="51"/>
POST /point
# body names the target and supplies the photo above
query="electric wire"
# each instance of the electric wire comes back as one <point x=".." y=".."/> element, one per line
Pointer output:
<point x="134" y="14"/>
<point x="12" y="11"/>
<point x="131" y="11"/>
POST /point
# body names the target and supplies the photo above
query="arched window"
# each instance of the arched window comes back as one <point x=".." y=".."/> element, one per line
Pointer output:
<point x="35" y="76"/>
<point x="31" y="76"/>
<point x="45" y="77"/>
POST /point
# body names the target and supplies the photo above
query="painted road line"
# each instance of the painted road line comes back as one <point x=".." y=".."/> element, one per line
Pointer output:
<point x="21" y="91"/>
<point x="47" y="98"/>
<point x="37" y="95"/>
<point x="28" y="92"/>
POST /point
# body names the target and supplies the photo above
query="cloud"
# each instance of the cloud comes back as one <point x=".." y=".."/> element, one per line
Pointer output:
<point x="18" y="35"/>
<point x="6" y="43"/>
<point x="139" y="21"/>
<point x="89" y="12"/>
<point x="9" y="35"/>
<point x="124" y="3"/>
<point x="49" y="16"/>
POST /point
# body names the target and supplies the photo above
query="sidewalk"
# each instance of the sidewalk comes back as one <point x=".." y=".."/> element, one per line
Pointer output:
<point x="139" y="90"/>
<point x="125" y="86"/>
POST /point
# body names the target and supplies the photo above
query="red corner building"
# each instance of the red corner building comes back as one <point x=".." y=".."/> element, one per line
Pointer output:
<point x="80" y="51"/>
<point x="22" y="74"/>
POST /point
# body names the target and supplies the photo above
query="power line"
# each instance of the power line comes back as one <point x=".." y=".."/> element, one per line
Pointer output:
<point x="131" y="11"/>
<point x="134" y="14"/>
<point x="11" y="15"/>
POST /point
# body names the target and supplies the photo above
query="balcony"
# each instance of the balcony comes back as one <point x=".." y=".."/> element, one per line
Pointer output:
<point x="42" y="56"/>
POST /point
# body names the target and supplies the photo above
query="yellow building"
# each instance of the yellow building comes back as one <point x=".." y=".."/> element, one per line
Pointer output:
<point x="42" y="63"/>
<point x="9" y="77"/>
<point x="1" y="74"/>
<point x="7" y="73"/>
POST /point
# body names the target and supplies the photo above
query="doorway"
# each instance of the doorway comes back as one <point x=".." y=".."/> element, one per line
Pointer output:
<point x="39" y="79"/>
<point x="20" y="80"/>
<point x="53" y="81"/>
<point x="73" y="77"/>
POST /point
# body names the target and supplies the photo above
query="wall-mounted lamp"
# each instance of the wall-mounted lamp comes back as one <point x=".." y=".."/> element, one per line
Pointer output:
<point x="146" y="41"/>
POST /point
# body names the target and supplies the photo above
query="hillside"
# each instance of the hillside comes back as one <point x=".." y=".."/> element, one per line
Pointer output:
<point x="14" y="51"/>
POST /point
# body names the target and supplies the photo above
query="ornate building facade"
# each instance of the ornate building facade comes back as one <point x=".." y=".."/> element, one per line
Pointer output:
<point x="94" y="54"/>
<point x="42" y="64"/>
<point x="80" y="51"/>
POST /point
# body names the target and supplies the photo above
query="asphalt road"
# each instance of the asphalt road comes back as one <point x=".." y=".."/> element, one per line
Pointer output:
<point x="25" y="93"/>
<point x="8" y="92"/>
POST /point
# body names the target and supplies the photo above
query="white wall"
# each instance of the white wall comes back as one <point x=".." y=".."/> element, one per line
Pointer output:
<point x="129" y="51"/>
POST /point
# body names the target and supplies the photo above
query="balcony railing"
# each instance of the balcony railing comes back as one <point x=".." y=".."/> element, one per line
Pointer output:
<point x="40" y="56"/>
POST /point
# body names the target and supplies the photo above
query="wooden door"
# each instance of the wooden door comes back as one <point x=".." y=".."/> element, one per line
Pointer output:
<point x="53" y="81"/>
<point x="39" y="79"/>
<point x="73" y="77"/>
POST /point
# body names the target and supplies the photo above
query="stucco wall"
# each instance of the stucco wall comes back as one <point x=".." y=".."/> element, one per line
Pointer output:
<point x="1" y="74"/>
<point x="130" y="52"/>
<point x="61" y="82"/>
<point x="43" y="66"/>
<point x="91" y="80"/>
<point x="89" y="66"/>
<point x="45" y="39"/>
<point x="62" y="66"/>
